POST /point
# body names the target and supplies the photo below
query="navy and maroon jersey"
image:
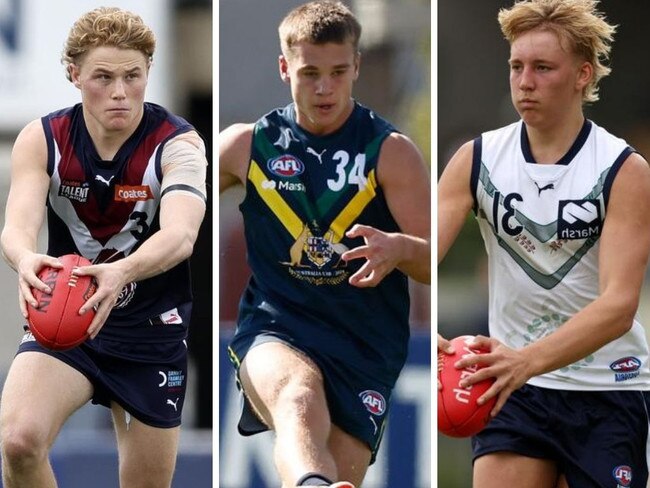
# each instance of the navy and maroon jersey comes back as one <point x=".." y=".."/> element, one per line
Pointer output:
<point x="303" y="193"/>
<point x="104" y="210"/>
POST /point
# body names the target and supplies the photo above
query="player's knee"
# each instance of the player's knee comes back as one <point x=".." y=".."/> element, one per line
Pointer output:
<point x="22" y="446"/>
<point x="301" y="400"/>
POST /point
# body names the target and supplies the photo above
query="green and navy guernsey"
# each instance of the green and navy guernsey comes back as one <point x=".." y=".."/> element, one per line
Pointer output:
<point x="541" y="224"/>
<point x="303" y="193"/>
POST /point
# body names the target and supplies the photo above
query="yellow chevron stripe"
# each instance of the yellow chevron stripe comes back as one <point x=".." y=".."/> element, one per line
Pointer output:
<point x="272" y="198"/>
<point x="353" y="209"/>
<point x="233" y="357"/>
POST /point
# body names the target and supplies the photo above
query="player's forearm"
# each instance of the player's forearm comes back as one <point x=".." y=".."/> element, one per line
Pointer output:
<point x="416" y="262"/>
<point x="607" y="318"/>
<point x="15" y="244"/>
<point x="161" y="252"/>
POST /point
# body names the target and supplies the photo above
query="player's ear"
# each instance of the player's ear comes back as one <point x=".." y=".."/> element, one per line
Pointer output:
<point x="73" y="71"/>
<point x="585" y="75"/>
<point x="283" y="65"/>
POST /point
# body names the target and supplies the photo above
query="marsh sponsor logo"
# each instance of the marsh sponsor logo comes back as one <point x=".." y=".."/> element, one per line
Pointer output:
<point x="136" y="193"/>
<point x="578" y="219"/>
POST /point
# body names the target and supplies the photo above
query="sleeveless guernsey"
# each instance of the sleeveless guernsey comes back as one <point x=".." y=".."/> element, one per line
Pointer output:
<point x="302" y="194"/>
<point x="541" y="225"/>
<point x="104" y="210"/>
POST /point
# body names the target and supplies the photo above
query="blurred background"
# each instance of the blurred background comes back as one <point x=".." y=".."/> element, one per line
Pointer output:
<point x="474" y="96"/>
<point x="32" y="84"/>
<point x="395" y="82"/>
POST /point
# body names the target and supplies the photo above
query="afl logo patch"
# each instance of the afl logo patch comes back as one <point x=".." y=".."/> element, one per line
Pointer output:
<point x="373" y="401"/>
<point x="286" y="166"/>
<point x="626" y="365"/>
<point x="623" y="475"/>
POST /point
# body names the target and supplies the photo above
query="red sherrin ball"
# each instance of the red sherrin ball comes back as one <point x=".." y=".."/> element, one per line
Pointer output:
<point x="458" y="413"/>
<point x="55" y="322"/>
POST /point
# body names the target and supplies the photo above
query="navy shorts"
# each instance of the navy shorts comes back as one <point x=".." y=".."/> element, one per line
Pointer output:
<point x="357" y="403"/>
<point x="147" y="380"/>
<point x="598" y="439"/>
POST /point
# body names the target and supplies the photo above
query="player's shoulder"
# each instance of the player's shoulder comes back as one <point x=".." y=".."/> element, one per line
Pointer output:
<point x="30" y="135"/>
<point x="236" y="136"/>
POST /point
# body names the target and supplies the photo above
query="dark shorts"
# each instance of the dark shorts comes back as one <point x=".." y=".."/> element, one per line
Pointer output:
<point x="357" y="403"/>
<point x="597" y="439"/>
<point x="147" y="380"/>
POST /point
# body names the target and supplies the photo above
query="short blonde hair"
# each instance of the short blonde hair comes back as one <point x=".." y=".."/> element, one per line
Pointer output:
<point x="319" y="22"/>
<point x="107" y="26"/>
<point x="578" y="25"/>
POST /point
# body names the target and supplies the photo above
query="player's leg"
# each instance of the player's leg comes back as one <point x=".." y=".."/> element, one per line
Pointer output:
<point x="286" y="389"/>
<point x="39" y="394"/>
<point x="500" y="469"/>
<point x="147" y="454"/>
<point x="352" y="456"/>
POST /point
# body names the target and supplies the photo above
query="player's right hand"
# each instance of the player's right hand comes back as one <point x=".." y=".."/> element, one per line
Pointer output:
<point x="28" y="268"/>
<point x="444" y="346"/>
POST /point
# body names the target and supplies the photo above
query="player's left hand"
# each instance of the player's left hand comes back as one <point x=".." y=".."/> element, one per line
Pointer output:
<point x="381" y="251"/>
<point x="110" y="282"/>
<point x="508" y="366"/>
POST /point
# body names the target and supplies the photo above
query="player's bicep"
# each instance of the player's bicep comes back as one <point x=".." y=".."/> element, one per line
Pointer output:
<point x="625" y="239"/>
<point x="455" y="199"/>
<point x="182" y="213"/>
<point x="25" y="207"/>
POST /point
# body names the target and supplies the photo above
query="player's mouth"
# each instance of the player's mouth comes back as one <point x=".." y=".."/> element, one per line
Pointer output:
<point x="527" y="103"/>
<point x="325" y="108"/>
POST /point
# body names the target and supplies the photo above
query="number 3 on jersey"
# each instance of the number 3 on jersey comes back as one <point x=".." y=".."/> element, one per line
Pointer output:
<point x="356" y="175"/>
<point x="141" y="221"/>
<point x="509" y="212"/>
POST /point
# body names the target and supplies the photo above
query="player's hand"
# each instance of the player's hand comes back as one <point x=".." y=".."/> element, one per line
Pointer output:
<point x="28" y="268"/>
<point x="381" y="251"/>
<point x="445" y="347"/>
<point x="508" y="366"/>
<point x="110" y="282"/>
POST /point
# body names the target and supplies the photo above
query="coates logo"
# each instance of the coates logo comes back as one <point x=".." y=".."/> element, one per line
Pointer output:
<point x="374" y="402"/>
<point x="286" y="166"/>
<point x="127" y="193"/>
<point x="623" y="475"/>
<point x="625" y="365"/>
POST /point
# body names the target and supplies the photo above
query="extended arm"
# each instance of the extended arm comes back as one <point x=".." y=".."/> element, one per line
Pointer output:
<point x="404" y="178"/>
<point x="25" y="212"/>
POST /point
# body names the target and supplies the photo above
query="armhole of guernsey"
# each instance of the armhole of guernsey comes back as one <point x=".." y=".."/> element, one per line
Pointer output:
<point x="49" y="140"/>
<point x="613" y="171"/>
<point x="476" y="170"/>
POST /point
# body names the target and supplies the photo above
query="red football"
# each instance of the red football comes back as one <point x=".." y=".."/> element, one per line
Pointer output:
<point x="458" y="413"/>
<point x="55" y="322"/>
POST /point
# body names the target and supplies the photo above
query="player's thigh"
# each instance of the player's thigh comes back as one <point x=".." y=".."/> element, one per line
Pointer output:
<point x="351" y="455"/>
<point x="38" y="396"/>
<point x="272" y="369"/>
<point x="500" y="469"/>
<point x="147" y="454"/>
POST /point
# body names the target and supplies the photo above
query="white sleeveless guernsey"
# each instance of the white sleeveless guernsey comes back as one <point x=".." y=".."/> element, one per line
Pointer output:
<point x="541" y="225"/>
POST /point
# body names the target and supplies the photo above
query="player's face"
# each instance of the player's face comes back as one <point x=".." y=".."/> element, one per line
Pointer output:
<point x="546" y="80"/>
<point x="321" y="78"/>
<point x="112" y="83"/>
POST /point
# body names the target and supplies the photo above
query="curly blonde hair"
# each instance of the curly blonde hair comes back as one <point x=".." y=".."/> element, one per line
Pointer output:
<point x="578" y="25"/>
<point x="319" y="22"/>
<point x="107" y="26"/>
